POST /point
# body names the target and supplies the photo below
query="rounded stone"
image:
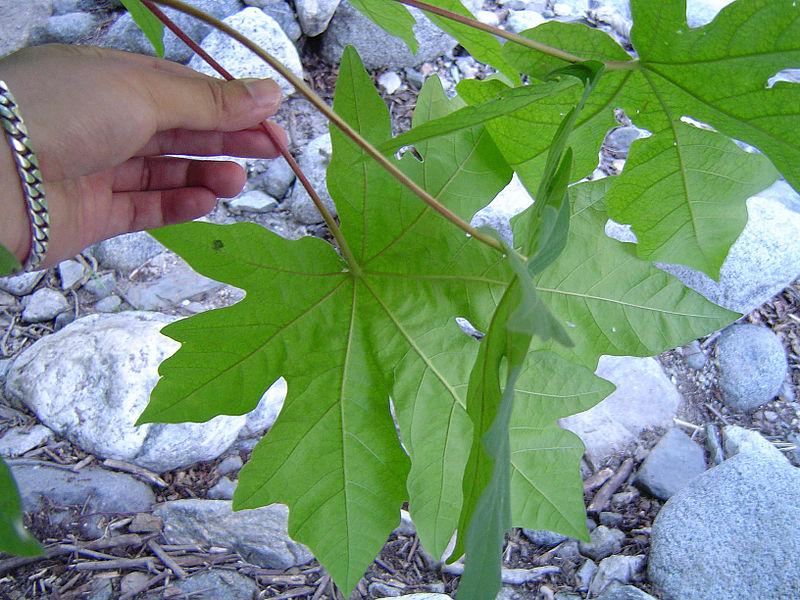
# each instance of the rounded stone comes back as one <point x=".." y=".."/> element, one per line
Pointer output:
<point x="731" y="533"/>
<point x="752" y="366"/>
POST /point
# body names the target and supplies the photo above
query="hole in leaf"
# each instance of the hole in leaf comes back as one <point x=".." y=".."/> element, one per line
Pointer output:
<point x="469" y="328"/>
<point x="785" y="76"/>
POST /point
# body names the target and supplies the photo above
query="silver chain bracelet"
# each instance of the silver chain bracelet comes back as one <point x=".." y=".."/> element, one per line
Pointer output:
<point x="30" y="177"/>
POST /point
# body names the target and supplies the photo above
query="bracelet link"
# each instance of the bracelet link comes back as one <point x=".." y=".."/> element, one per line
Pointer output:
<point x="30" y="177"/>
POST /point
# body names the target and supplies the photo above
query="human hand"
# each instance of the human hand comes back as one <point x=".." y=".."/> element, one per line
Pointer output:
<point x="100" y="122"/>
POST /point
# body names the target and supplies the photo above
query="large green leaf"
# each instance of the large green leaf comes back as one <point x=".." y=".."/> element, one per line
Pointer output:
<point x="684" y="192"/>
<point x="148" y="23"/>
<point x="337" y="336"/>
<point x="611" y="301"/>
<point x="13" y="537"/>
<point x="716" y="74"/>
<point x="347" y="337"/>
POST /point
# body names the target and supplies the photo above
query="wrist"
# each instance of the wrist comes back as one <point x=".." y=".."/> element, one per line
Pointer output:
<point x="14" y="225"/>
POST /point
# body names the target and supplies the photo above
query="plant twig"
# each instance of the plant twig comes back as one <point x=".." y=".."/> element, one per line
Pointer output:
<point x="334" y="118"/>
<point x="611" y="65"/>
<point x="333" y="227"/>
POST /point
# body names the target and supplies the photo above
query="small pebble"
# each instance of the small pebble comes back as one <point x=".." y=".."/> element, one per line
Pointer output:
<point x="70" y="272"/>
<point x="390" y="81"/>
<point x="44" y="305"/>
<point x="223" y="490"/>
<point x="109" y="304"/>
<point x="230" y="464"/>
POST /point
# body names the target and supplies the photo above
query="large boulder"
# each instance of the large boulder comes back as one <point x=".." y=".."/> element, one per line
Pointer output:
<point x="259" y="535"/>
<point x="18" y="20"/>
<point x="377" y="48"/>
<point x="762" y="262"/>
<point x="90" y="381"/>
<point x="240" y="61"/>
<point x="645" y="399"/>
<point x="731" y="533"/>
<point x="126" y="35"/>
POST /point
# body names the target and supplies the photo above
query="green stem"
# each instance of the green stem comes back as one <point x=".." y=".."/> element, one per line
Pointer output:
<point x="612" y="65"/>
<point x="334" y="118"/>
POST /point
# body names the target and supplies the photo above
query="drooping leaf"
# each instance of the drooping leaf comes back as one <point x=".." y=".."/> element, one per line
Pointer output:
<point x="148" y="23"/>
<point x="8" y="262"/>
<point x="502" y="101"/>
<point x="716" y="74"/>
<point x="392" y="17"/>
<point x="684" y="193"/>
<point x="14" y="539"/>
<point x="337" y="336"/>
<point x="486" y="513"/>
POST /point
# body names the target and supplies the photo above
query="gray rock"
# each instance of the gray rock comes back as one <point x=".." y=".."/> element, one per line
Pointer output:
<point x="619" y="140"/>
<point x="102" y="286"/>
<point x="217" y="584"/>
<point x="406" y="526"/>
<point x="43" y="305"/>
<point x="611" y="519"/>
<point x="730" y="533"/>
<point x="738" y="439"/>
<point x="70" y="272"/>
<point x="522" y="20"/>
<point x="19" y="19"/>
<point x="241" y="62"/>
<point x="695" y="357"/>
<point x="230" y="464"/>
<point x="752" y="366"/>
<point x="263" y="416"/>
<point x="100" y="589"/>
<point x="284" y="15"/>
<point x="624" y="592"/>
<point x="254" y="201"/>
<point x="275" y="177"/>
<point x="645" y="398"/>
<point x="100" y="491"/>
<point x="66" y="29"/>
<point x="314" y="15"/>
<point x="258" y="535"/>
<point x="390" y="81"/>
<point x="63" y="7"/>
<point x="314" y="163"/>
<point x="16" y="442"/>
<point x="7" y="299"/>
<point x="702" y="12"/>
<point x="567" y="596"/>
<point x="170" y="290"/>
<point x="616" y="569"/>
<point x="584" y="575"/>
<point x="761" y="263"/>
<point x="603" y="543"/>
<point x="63" y="319"/>
<point x="90" y="381"/>
<point x="223" y="489"/>
<point x="781" y="191"/>
<point x="21" y="285"/>
<point x="379" y="589"/>
<point x="127" y="252"/>
<point x="570" y="9"/>
<point x="423" y="596"/>
<point x="543" y="538"/>
<point x="125" y="35"/>
<point x="613" y="16"/>
<point x="109" y="304"/>
<point x="671" y="465"/>
<point x="377" y="48"/>
<point x="523" y="576"/>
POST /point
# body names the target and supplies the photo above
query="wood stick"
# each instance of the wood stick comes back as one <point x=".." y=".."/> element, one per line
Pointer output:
<point x="596" y="480"/>
<point x="119" y="563"/>
<point x="145" y="474"/>
<point x="603" y="496"/>
<point x="167" y="560"/>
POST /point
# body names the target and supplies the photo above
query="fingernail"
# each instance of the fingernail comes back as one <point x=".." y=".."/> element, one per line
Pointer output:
<point x="265" y="92"/>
